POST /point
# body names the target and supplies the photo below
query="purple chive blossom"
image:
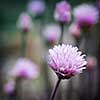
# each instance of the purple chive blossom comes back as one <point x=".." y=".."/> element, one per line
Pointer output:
<point x="86" y="15"/>
<point x="24" y="22"/>
<point x="51" y="33"/>
<point x="36" y="7"/>
<point x="24" y="68"/>
<point x="66" y="61"/>
<point x="9" y="87"/>
<point x="75" y="30"/>
<point x="62" y="12"/>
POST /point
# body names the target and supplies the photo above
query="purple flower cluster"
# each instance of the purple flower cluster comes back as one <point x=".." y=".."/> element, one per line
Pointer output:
<point x="51" y="33"/>
<point x="62" y="12"/>
<point x="24" y="22"/>
<point x="66" y="60"/>
<point x="36" y="7"/>
<point x="86" y="15"/>
<point x="24" y="68"/>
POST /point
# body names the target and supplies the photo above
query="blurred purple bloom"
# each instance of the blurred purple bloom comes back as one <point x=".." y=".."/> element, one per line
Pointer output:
<point x="62" y="12"/>
<point x="86" y="15"/>
<point x="91" y="62"/>
<point x="75" y="30"/>
<point x="9" y="87"/>
<point x="25" y="68"/>
<point x="66" y="60"/>
<point x="36" y="7"/>
<point x="24" y="22"/>
<point x="51" y="33"/>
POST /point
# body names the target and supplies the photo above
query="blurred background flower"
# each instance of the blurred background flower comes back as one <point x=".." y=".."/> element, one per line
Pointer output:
<point x="86" y="15"/>
<point x="75" y="30"/>
<point x="36" y="7"/>
<point x="24" y="23"/>
<point x="9" y="87"/>
<point x="51" y="33"/>
<point x="24" y="68"/>
<point x="62" y="12"/>
<point x="92" y="62"/>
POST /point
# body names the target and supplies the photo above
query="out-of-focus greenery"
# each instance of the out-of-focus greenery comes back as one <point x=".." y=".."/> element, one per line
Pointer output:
<point x="10" y="9"/>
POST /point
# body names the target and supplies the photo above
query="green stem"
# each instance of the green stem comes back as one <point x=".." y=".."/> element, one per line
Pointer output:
<point x="23" y="44"/>
<point x="62" y="33"/>
<point x="78" y="41"/>
<point x="55" y="89"/>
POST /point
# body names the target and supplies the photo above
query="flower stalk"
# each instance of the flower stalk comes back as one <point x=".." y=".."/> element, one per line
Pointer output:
<point x="55" y="89"/>
<point x="62" y="33"/>
<point x="23" y="44"/>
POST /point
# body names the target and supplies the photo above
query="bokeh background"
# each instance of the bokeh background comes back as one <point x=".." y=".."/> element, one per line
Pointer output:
<point x="85" y="86"/>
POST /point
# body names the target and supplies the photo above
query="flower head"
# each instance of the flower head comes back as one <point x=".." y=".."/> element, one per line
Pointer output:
<point x="36" y="7"/>
<point x="9" y="87"/>
<point x="24" y="22"/>
<point x="24" y="68"/>
<point x="62" y="12"/>
<point x="66" y="60"/>
<point x="86" y="15"/>
<point x="51" y="33"/>
<point x="75" y="30"/>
